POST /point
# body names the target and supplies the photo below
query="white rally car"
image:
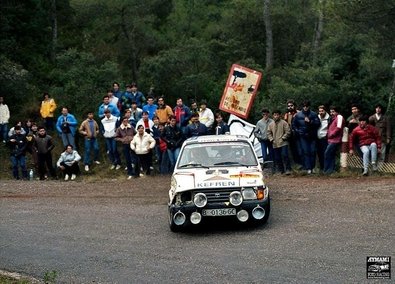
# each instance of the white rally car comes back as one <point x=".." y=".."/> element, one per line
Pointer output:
<point x="217" y="176"/>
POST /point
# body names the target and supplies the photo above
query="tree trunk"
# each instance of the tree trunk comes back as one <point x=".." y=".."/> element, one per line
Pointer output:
<point x="318" y="30"/>
<point x="54" y="22"/>
<point x="129" y="35"/>
<point x="269" y="36"/>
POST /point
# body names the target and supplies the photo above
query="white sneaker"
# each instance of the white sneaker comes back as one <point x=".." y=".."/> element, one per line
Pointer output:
<point x="86" y="168"/>
<point x="118" y="167"/>
<point x="97" y="162"/>
<point x="112" y="167"/>
<point x="129" y="177"/>
<point x="374" y="167"/>
<point x="141" y="175"/>
<point x="308" y="172"/>
<point x="66" y="177"/>
<point x="73" y="176"/>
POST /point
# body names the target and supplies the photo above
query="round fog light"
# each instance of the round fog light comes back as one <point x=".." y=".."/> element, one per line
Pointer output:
<point x="179" y="218"/>
<point x="200" y="200"/>
<point x="196" y="218"/>
<point x="242" y="215"/>
<point x="235" y="198"/>
<point x="258" y="213"/>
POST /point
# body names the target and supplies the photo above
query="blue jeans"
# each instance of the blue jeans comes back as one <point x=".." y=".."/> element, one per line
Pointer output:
<point x="17" y="162"/>
<point x="129" y="157"/>
<point x="165" y="163"/>
<point x="89" y="144"/>
<point x="281" y="157"/>
<point x="113" y="151"/>
<point x="173" y="155"/>
<point x="68" y="139"/>
<point x="368" y="150"/>
<point x="267" y="150"/>
<point x="4" y="131"/>
<point x="330" y="158"/>
<point x="308" y="153"/>
<point x="322" y="144"/>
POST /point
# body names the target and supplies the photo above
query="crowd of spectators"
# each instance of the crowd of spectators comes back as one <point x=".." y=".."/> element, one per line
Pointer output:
<point x="149" y="132"/>
<point x="139" y="133"/>
<point x="312" y="136"/>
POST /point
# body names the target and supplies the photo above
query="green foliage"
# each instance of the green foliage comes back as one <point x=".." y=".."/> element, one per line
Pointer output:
<point x="80" y="81"/>
<point x="186" y="47"/>
<point x="17" y="88"/>
<point x="50" y="277"/>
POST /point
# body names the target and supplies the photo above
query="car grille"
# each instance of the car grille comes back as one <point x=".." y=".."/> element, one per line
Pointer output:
<point x="216" y="195"/>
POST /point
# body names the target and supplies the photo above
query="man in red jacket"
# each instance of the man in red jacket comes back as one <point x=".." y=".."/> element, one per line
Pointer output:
<point x="369" y="142"/>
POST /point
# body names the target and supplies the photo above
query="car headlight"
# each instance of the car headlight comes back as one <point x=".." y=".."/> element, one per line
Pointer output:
<point x="235" y="198"/>
<point x="200" y="200"/>
<point x="248" y="193"/>
<point x="195" y="218"/>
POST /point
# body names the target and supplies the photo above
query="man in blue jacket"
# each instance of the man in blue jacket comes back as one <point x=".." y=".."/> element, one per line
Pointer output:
<point x="305" y="125"/>
<point x="136" y="95"/>
<point x="107" y="105"/>
<point x="66" y="126"/>
<point x="182" y="114"/>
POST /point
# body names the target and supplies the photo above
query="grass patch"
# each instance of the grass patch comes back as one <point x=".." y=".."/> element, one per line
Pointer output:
<point x="10" y="280"/>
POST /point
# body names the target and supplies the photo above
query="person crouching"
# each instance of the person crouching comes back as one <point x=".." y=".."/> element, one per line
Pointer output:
<point x="68" y="163"/>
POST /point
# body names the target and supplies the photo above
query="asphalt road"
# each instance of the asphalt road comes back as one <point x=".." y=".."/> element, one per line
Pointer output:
<point x="320" y="231"/>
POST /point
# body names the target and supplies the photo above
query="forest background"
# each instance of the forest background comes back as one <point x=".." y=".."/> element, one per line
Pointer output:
<point x="327" y="51"/>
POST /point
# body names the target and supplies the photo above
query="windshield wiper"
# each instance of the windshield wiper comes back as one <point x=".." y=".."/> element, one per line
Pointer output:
<point x="193" y="165"/>
<point x="231" y="163"/>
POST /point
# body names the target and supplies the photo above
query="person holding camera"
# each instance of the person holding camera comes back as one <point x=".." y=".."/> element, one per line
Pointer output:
<point x="66" y="126"/>
<point x="18" y="143"/>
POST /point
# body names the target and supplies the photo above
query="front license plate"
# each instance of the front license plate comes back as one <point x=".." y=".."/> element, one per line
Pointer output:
<point x="219" y="212"/>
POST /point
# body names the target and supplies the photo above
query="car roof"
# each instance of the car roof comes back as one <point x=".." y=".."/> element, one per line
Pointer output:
<point x="216" y="138"/>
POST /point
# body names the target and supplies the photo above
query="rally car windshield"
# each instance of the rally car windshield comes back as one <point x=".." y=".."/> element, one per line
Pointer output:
<point x="229" y="154"/>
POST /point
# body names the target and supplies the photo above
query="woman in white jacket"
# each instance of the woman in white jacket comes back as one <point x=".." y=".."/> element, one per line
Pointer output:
<point x="68" y="163"/>
<point x="142" y="144"/>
